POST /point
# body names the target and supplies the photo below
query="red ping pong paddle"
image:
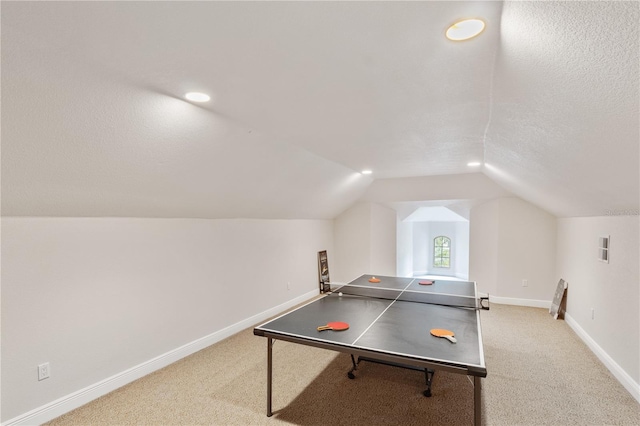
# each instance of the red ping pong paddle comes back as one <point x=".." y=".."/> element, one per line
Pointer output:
<point x="447" y="334"/>
<point x="335" y="326"/>
<point x="425" y="282"/>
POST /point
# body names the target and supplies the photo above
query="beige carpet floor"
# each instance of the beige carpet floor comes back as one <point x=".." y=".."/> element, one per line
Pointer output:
<point x="539" y="373"/>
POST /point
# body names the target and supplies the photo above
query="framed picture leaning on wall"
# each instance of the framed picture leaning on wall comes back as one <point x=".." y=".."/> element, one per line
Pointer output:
<point x="323" y="271"/>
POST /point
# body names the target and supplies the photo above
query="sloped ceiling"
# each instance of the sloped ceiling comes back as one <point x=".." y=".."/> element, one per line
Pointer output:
<point x="305" y="96"/>
<point x="435" y="214"/>
<point x="565" y="122"/>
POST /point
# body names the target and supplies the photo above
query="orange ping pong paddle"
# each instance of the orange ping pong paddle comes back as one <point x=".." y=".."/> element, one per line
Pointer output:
<point x="335" y="326"/>
<point x="447" y="334"/>
<point x="374" y="280"/>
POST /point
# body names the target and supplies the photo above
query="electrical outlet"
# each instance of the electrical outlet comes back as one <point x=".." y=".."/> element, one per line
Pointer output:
<point x="288" y="285"/>
<point x="43" y="371"/>
<point x="593" y="313"/>
<point x="525" y="283"/>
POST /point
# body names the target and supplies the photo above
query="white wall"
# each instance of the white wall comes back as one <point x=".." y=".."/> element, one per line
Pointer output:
<point x="404" y="255"/>
<point x="512" y="240"/>
<point x="483" y="246"/>
<point x="421" y="249"/>
<point x="352" y="240"/>
<point x="462" y="250"/>
<point x="383" y="240"/>
<point x="95" y="297"/>
<point x="526" y="251"/>
<point x="365" y="242"/>
<point x="611" y="289"/>
<point x="422" y="255"/>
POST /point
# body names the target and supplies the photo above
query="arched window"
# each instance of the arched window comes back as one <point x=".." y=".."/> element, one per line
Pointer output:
<point x="441" y="252"/>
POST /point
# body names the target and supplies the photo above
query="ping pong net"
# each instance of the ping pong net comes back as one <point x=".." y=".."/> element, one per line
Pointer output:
<point x="410" y="295"/>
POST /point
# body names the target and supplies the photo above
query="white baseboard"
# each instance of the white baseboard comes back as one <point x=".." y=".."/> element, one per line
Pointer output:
<point x="629" y="384"/>
<point x="520" y="302"/>
<point x="74" y="400"/>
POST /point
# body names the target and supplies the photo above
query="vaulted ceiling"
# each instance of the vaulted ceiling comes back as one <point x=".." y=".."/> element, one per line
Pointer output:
<point x="305" y="95"/>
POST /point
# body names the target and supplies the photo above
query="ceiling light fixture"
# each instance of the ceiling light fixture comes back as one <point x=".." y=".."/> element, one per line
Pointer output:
<point x="465" y="29"/>
<point x="197" y="97"/>
<point x="474" y="164"/>
<point x="366" y="172"/>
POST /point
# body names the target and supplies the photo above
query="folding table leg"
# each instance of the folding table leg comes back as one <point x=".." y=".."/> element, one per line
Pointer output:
<point x="269" y="374"/>
<point x="428" y="374"/>
<point x="355" y="367"/>
<point x="477" y="401"/>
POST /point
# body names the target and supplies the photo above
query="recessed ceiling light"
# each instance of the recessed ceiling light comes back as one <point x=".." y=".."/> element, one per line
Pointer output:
<point x="465" y="29"/>
<point x="197" y="97"/>
<point x="474" y="164"/>
<point x="366" y="172"/>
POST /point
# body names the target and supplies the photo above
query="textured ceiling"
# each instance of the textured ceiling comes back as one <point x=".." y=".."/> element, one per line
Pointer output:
<point x="565" y="124"/>
<point x="306" y="95"/>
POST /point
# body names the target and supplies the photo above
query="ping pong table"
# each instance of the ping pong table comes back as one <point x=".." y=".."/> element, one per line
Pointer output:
<point x="389" y="323"/>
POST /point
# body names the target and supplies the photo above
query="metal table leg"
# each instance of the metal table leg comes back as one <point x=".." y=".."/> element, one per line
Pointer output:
<point x="269" y="374"/>
<point x="477" y="401"/>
